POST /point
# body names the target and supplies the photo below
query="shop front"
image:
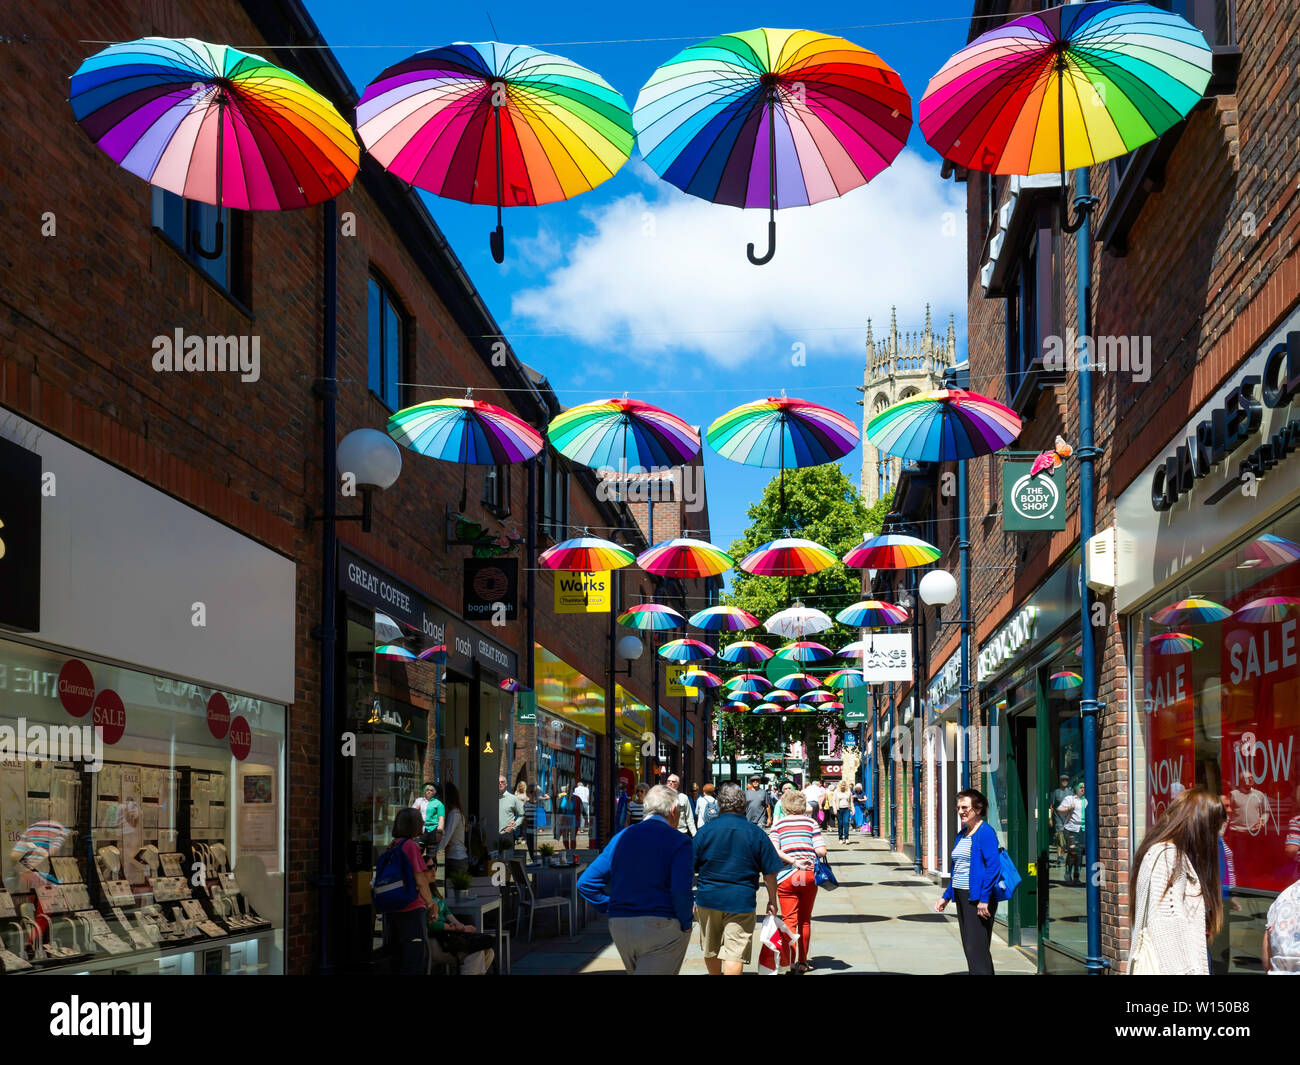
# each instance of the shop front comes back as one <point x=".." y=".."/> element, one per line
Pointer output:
<point x="1216" y="682"/>
<point x="670" y="737"/>
<point x="1029" y="680"/>
<point x="145" y="674"/>
<point x="423" y="700"/>
<point x="943" y="756"/>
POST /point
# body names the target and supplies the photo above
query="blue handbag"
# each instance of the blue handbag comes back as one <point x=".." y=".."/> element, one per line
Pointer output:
<point x="824" y="875"/>
<point x="1008" y="877"/>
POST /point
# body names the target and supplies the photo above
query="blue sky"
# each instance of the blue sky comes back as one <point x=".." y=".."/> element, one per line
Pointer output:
<point x="636" y="287"/>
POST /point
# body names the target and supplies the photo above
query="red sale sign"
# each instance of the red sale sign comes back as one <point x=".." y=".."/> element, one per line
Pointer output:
<point x="109" y="714"/>
<point x="1260" y="716"/>
<point x="1167" y="704"/>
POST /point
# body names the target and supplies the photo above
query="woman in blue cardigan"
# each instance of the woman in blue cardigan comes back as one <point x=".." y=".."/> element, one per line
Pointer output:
<point x="975" y="870"/>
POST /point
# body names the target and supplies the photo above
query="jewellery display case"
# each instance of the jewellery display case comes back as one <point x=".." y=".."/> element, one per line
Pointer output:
<point x="161" y="852"/>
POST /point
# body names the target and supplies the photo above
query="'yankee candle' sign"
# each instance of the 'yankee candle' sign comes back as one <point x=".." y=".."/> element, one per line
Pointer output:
<point x="582" y="593"/>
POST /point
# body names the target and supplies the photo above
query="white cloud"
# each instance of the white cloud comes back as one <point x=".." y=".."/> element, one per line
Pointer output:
<point x="663" y="272"/>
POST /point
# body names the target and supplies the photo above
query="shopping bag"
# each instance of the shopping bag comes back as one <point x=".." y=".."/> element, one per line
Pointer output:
<point x="777" y="951"/>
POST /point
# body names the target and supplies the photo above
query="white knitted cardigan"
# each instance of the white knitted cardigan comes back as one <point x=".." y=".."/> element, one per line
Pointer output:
<point x="1172" y="913"/>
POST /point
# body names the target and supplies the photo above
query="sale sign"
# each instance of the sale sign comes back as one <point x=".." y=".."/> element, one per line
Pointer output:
<point x="1168" y="706"/>
<point x="1260" y="715"/>
<point x="109" y="714"/>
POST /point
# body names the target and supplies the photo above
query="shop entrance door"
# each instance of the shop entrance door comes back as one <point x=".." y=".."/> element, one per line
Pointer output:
<point x="1022" y="823"/>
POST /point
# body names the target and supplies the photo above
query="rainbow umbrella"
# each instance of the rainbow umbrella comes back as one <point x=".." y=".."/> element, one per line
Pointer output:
<point x="734" y="708"/>
<point x="819" y="114"/>
<point x="835" y="705"/>
<point x="788" y="557"/>
<point x="1063" y="88"/>
<point x="685" y="559"/>
<point x="512" y="685"/>
<point x="779" y="696"/>
<point x="780" y="432"/>
<point x="768" y="708"/>
<point x="804" y="651"/>
<point x="746" y="651"/>
<point x="1192" y="611"/>
<point x="214" y="124"/>
<point x="744" y="696"/>
<point x="798" y="682"/>
<point x="843" y="679"/>
<point x="471" y="121"/>
<point x="817" y="697"/>
<point x="1270" y="550"/>
<point x="700" y="678"/>
<point x="621" y="434"/>
<point x="467" y="431"/>
<point x="392" y="650"/>
<point x="871" y="612"/>
<point x="1169" y="643"/>
<point x="943" y="426"/>
<point x="856" y="649"/>
<point x="438" y="652"/>
<point x="586" y="554"/>
<point x="748" y="682"/>
<point x="724" y="619"/>
<point x="797" y="621"/>
<point x="1065" y="681"/>
<point x="685" y="650"/>
<point x="654" y="616"/>
<point x="1267" y="611"/>
<point x="892" y="551"/>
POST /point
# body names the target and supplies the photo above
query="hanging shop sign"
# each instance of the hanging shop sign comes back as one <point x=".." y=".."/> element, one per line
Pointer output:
<point x="582" y="593"/>
<point x="526" y="709"/>
<point x="856" y="707"/>
<point x="1031" y="503"/>
<point x="690" y="733"/>
<point x="1231" y="423"/>
<point x="676" y="689"/>
<point x="668" y="728"/>
<point x="1003" y="646"/>
<point x="490" y="590"/>
<point x="888" y="656"/>
<point x="20" y="538"/>
<point x="946" y="683"/>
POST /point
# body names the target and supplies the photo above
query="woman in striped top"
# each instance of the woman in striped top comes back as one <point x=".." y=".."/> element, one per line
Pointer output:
<point x="636" y="808"/>
<point x="797" y="838"/>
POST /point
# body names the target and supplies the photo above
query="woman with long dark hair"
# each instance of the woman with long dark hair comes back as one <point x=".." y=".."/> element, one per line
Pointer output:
<point x="1175" y="899"/>
<point x="453" y="835"/>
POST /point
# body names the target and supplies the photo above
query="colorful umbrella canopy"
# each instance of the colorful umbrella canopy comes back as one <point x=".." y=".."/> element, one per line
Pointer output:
<point x="748" y="682"/>
<point x="856" y="649"/>
<point x="782" y="433"/>
<point x="817" y="697"/>
<point x="1192" y="611"/>
<point x="768" y="708"/>
<point x="804" y="651"/>
<point x="834" y="705"/>
<point x="1064" y="88"/>
<point x="621" y="434"/>
<point x="438" y="652"/>
<point x="467" y="431"/>
<point x="724" y="619"/>
<point x="843" y="679"/>
<point x="772" y="118"/>
<point x="747" y="651"/>
<point x="1270" y="550"/>
<point x="734" y="707"/>
<point x="797" y="621"/>
<point x="779" y="696"/>
<point x="788" y="557"/>
<point x="1064" y="681"/>
<point x="700" y="678"/>
<point x="654" y="616"/>
<point x="892" y="551"/>
<point x="1168" y="643"/>
<point x="943" y="426"/>
<point x="798" y="682"/>
<point x="871" y="612"/>
<point x="586" y="554"/>
<point x="684" y="558"/>
<point x="745" y="696"/>
<point x="1268" y="610"/>
<point x="214" y="124"/>
<point x="512" y="685"/>
<point x="393" y="650"/>
<point x="685" y="650"/>
<point x="495" y="123"/>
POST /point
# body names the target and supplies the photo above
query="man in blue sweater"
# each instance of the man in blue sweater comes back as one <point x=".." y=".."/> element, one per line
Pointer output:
<point x="643" y="881"/>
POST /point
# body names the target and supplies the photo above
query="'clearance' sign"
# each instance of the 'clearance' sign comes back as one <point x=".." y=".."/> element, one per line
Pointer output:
<point x="582" y="593"/>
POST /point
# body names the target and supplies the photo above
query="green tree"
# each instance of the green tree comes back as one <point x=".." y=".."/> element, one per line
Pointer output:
<point x="822" y="505"/>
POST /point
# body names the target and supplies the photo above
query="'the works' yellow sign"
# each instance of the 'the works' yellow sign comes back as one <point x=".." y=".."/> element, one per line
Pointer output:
<point x="582" y="593"/>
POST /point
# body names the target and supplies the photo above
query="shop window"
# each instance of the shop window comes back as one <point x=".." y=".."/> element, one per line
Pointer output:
<point x="188" y="224"/>
<point x="554" y="511"/>
<point x="130" y="846"/>
<point x="1030" y="314"/>
<point x="496" y="490"/>
<point x="386" y="344"/>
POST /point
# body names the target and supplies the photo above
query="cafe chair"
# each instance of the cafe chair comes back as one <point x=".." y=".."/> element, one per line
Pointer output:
<point x="528" y="901"/>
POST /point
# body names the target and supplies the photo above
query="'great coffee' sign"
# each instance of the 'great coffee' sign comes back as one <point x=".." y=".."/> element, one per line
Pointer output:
<point x="1232" y="424"/>
<point x="20" y="538"/>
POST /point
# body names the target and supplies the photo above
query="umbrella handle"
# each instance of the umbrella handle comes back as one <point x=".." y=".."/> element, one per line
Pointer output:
<point x="497" y="241"/>
<point x="771" y="245"/>
<point x="196" y="239"/>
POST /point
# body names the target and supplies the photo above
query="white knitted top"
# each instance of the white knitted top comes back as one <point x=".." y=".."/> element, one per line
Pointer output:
<point x="1171" y="907"/>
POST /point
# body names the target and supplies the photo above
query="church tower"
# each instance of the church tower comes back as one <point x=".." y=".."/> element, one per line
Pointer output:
<point x="898" y="366"/>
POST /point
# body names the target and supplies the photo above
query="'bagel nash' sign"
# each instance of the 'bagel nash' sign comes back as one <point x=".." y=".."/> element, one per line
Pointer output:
<point x="1031" y="503"/>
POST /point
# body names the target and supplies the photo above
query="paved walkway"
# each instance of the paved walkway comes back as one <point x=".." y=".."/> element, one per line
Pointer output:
<point x="880" y="921"/>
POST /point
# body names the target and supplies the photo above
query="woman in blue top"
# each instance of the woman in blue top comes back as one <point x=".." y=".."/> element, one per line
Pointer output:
<point x="975" y="870"/>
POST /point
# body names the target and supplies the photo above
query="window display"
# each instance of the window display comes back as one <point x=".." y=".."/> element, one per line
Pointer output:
<point x="132" y="838"/>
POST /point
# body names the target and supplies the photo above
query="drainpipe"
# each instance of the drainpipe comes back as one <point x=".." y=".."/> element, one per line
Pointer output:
<point x="918" y="719"/>
<point x="530" y="620"/>
<point x="893" y="806"/>
<point x="327" y="388"/>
